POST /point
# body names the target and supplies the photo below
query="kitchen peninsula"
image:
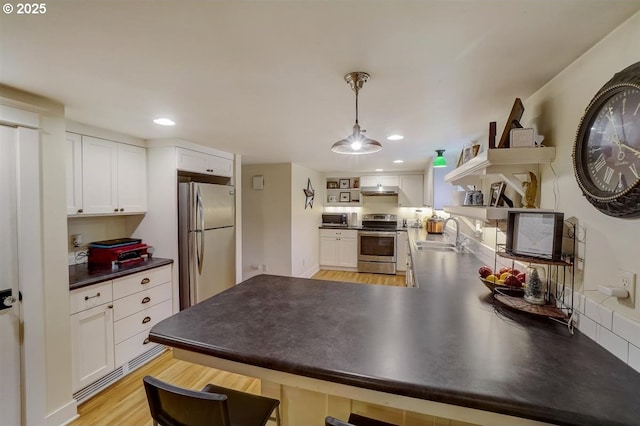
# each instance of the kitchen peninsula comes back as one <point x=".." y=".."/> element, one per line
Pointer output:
<point x="442" y="349"/>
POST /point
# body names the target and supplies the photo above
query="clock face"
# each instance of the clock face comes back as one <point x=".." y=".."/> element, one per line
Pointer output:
<point x="609" y="151"/>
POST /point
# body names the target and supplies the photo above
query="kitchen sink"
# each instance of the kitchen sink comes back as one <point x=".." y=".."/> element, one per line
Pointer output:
<point x="431" y="245"/>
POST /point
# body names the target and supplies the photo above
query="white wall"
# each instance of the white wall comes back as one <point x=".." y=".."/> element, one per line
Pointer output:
<point x="606" y="244"/>
<point x="555" y="110"/>
<point x="305" y="238"/>
<point x="266" y="220"/>
<point x="51" y="402"/>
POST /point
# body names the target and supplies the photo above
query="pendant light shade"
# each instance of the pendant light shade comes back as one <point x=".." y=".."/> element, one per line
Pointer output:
<point x="356" y="143"/>
<point x="439" y="161"/>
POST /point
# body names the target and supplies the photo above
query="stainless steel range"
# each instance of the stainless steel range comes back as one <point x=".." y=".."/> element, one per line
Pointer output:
<point x="377" y="244"/>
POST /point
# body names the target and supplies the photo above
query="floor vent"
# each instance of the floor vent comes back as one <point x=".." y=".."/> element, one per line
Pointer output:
<point x="145" y="357"/>
<point x="95" y="387"/>
<point x="98" y="385"/>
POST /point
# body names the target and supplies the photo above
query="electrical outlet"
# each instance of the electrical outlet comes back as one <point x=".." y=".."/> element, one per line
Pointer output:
<point x="627" y="280"/>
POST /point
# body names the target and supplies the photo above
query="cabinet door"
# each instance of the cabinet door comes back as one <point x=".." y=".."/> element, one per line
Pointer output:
<point x="385" y="180"/>
<point x="191" y="161"/>
<point x="99" y="175"/>
<point x="428" y="185"/>
<point x="368" y="181"/>
<point x="402" y="250"/>
<point x="92" y="348"/>
<point x="74" y="173"/>
<point x="329" y="251"/>
<point x="411" y="191"/>
<point x="132" y="179"/>
<point x="348" y="252"/>
<point x="219" y="166"/>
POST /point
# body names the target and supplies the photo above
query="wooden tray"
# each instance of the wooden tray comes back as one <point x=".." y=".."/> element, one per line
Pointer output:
<point x="520" y="304"/>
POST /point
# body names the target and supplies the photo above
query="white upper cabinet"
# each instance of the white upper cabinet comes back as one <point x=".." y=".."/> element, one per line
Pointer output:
<point x="74" y="173"/>
<point x="105" y="177"/>
<point x="411" y="192"/>
<point x="99" y="176"/>
<point x="132" y="179"/>
<point x="428" y="186"/>
<point x="379" y="180"/>
<point x="199" y="162"/>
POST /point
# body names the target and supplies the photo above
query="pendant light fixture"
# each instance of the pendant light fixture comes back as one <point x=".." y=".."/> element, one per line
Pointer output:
<point x="439" y="161"/>
<point x="356" y="143"/>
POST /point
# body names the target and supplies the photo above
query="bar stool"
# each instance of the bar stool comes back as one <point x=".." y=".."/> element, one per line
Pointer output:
<point x="213" y="406"/>
<point x="355" y="420"/>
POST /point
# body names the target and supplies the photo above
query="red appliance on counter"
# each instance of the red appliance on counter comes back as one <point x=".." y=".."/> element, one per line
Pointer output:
<point x="117" y="252"/>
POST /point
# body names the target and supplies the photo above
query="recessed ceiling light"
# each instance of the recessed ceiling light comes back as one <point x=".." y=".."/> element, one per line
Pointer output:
<point x="378" y="170"/>
<point x="398" y="161"/>
<point x="164" y="122"/>
<point x="395" y="137"/>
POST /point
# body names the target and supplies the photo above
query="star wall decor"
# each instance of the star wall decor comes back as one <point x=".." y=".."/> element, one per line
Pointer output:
<point x="309" y="193"/>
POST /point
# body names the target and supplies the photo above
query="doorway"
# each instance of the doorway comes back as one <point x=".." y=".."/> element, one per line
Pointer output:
<point x="10" y="323"/>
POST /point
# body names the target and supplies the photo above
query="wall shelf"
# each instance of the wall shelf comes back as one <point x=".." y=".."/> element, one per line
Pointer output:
<point x="353" y="188"/>
<point x="499" y="161"/>
<point x="483" y="213"/>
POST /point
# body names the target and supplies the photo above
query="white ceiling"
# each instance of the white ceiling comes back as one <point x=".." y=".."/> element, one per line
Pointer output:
<point x="265" y="78"/>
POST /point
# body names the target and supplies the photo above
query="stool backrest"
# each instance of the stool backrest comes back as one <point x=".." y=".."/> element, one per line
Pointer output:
<point x="174" y="406"/>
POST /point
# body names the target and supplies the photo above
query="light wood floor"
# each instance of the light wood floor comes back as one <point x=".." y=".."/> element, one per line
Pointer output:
<point x="125" y="403"/>
<point x="357" y="277"/>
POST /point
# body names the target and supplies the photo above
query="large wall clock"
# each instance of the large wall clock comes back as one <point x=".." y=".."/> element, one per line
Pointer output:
<point x="606" y="153"/>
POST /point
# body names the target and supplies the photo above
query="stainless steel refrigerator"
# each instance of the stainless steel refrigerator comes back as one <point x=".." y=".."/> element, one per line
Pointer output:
<point x="206" y="240"/>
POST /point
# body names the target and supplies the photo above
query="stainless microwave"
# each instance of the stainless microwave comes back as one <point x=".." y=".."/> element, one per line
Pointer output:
<point x="334" y="219"/>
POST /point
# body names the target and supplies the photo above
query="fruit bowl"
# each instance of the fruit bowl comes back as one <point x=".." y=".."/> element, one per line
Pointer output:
<point x="491" y="285"/>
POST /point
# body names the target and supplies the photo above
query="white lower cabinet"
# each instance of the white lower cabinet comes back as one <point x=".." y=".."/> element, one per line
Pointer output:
<point x="107" y="336"/>
<point x="339" y="248"/>
<point x="92" y="346"/>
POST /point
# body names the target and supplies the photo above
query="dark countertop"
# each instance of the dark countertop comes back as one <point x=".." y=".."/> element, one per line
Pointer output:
<point x="81" y="275"/>
<point x="360" y="228"/>
<point x="444" y="342"/>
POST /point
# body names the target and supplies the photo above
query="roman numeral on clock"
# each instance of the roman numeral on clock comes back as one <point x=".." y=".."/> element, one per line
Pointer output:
<point x="608" y="173"/>
<point x="600" y="162"/>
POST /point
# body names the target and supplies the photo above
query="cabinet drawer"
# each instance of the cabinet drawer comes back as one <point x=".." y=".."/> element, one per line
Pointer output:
<point x="137" y="302"/>
<point x="141" y="281"/>
<point x="132" y="347"/>
<point x="90" y="296"/>
<point x="140" y="321"/>
<point x="338" y="233"/>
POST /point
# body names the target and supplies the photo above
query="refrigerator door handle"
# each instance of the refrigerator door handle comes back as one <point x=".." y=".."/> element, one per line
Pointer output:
<point x="200" y="245"/>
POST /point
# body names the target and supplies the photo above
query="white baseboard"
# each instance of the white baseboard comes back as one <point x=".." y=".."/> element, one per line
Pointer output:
<point x="63" y="415"/>
<point x="310" y="272"/>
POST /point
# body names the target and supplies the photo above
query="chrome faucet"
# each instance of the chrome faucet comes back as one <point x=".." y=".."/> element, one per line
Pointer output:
<point x="444" y="227"/>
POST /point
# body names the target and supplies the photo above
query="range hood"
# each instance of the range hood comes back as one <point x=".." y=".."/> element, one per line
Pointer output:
<point x="379" y="190"/>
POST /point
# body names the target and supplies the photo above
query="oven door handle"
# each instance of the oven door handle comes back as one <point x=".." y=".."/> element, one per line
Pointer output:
<point x="378" y="233"/>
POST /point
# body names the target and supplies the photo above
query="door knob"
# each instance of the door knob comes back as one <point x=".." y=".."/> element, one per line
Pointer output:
<point x="7" y="299"/>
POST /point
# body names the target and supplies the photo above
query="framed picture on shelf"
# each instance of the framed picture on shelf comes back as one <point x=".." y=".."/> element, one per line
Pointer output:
<point x="513" y="122"/>
<point x="333" y="198"/>
<point x="332" y="185"/>
<point x="345" y="197"/>
<point x="469" y="152"/>
<point x="344" y="183"/>
<point x="496" y="193"/>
